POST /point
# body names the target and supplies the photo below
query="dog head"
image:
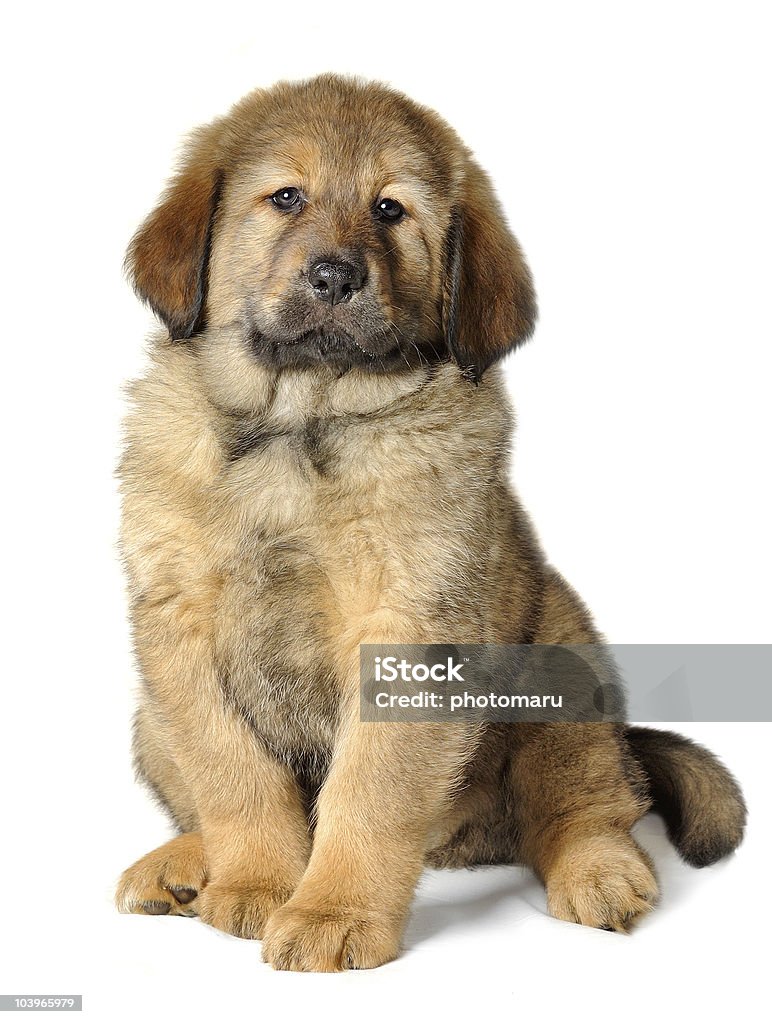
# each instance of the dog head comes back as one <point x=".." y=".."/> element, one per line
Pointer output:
<point x="334" y="221"/>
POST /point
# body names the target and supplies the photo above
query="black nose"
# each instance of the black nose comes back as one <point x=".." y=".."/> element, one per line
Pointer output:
<point x="335" y="281"/>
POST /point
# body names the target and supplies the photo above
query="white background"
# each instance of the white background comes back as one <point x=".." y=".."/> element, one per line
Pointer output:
<point x="630" y="145"/>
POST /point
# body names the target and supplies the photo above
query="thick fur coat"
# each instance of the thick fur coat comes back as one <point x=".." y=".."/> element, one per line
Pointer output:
<point x="317" y="458"/>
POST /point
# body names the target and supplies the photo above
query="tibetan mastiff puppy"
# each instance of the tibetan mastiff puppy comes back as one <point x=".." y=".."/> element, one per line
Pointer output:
<point x="316" y="459"/>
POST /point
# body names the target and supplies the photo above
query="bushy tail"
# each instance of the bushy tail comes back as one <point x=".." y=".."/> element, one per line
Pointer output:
<point x="699" y="799"/>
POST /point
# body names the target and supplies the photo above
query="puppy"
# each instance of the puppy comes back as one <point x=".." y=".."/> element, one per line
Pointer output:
<point x="315" y="460"/>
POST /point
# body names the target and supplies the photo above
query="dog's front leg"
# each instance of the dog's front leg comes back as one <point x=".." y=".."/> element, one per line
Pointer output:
<point x="387" y="785"/>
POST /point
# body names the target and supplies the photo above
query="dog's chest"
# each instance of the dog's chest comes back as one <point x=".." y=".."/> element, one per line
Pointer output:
<point x="318" y="548"/>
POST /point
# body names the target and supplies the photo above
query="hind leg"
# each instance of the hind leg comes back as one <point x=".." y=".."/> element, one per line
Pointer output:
<point x="603" y="880"/>
<point x="157" y="769"/>
<point x="232" y="879"/>
<point x="169" y="879"/>
<point x="576" y="797"/>
<point x="166" y="881"/>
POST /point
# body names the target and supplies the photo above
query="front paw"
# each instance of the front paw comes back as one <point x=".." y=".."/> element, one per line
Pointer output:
<point x="329" y="939"/>
<point x="240" y="908"/>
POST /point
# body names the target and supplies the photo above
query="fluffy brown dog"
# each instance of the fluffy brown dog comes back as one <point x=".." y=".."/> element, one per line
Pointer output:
<point x="317" y="459"/>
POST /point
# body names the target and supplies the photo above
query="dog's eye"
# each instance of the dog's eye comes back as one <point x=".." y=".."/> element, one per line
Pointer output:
<point x="389" y="209"/>
<point x="286" y="198"/>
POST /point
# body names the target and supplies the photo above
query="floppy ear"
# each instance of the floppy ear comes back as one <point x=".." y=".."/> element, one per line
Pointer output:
<point x="168" y="257"/>
<point x="489" y="302"/>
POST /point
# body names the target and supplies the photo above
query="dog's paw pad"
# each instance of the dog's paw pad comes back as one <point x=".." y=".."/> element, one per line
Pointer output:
<point x="182" y="893"/>
<point x="156" y="907"/>
<point x="165" y="881"/>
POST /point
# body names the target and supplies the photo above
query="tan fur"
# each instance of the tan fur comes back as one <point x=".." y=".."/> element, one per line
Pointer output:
<point x="165" y="881"/>
<point x="277" y="516"/>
